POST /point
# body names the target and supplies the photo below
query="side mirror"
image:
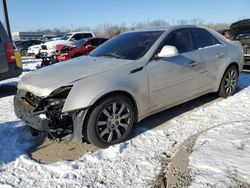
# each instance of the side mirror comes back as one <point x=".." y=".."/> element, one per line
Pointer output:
<point x="168" y="51"/>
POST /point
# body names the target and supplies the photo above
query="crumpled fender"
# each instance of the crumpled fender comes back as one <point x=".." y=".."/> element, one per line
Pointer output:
<point x="87" y="91"/>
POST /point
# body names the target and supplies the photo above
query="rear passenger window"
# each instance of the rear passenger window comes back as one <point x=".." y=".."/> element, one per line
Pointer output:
<point x="181" y="39"/>
<point x="203" y="38"/>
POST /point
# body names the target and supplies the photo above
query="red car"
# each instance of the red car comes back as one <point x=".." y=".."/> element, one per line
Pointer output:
<point x="79" y="48"/>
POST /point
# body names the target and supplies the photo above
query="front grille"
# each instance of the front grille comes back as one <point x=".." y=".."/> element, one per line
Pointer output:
<point x="32" y="99"/>
<point x="44" y="47"/>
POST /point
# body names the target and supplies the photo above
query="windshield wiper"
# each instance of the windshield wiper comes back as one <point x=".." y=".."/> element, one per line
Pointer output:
<point x="108" y="55"/>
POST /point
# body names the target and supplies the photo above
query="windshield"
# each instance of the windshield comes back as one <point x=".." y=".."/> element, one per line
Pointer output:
<point x="66" y="36"/>
<point x="79" y="42"/>
<point x="132" y="45"/>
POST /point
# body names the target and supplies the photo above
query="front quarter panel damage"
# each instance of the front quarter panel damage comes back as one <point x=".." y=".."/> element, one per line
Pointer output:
<point x="86" y="92"/>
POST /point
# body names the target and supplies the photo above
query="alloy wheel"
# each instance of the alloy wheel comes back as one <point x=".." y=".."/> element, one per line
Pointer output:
<point x="230" y="82"/>
<point x="113" y="122"/>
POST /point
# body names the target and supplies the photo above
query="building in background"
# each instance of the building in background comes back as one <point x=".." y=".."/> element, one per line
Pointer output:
<point x="33" y="35"/>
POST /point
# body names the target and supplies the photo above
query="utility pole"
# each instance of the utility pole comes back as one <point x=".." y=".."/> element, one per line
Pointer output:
<point x="6" y="18"/>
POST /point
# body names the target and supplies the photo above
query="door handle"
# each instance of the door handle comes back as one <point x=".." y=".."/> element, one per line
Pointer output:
<point x="220" y="55"/>
<point x="193" y="63"/>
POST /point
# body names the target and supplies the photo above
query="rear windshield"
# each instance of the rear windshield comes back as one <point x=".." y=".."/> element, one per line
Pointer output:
<point x="131" y="45"/>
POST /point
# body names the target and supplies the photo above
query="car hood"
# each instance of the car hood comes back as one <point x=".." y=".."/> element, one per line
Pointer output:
<point x="239" y="27"/>
<point x="45" y="80"/>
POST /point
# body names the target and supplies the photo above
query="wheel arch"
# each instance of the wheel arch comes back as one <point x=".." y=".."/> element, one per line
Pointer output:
<point x="221" y="77"/>
<point x="128" y="95"/>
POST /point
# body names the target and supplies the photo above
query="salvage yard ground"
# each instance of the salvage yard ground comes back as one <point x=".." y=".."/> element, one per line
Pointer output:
<point x="219" y="155"/>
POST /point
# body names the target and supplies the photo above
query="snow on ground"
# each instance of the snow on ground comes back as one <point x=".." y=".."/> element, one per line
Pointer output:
<point x="134" y="163"/>
<point x="221" y="156"/>
<point x="30" y="64"/>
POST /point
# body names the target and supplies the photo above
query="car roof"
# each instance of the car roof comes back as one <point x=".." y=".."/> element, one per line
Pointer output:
<point x="166" y="28"/>
<point x="76" y="32"/>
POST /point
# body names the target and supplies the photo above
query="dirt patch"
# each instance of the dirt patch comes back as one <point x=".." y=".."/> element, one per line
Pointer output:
<point x="50" y="151"/>
<point x="174" y="172"/>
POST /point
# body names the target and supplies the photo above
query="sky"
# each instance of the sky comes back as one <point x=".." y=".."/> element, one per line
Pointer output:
<point x="29" y="15"/>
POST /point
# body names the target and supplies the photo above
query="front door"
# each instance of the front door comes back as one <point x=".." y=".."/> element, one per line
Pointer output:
<point x="174" y="79"/>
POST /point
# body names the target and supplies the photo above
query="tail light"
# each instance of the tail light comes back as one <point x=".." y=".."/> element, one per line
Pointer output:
<point x="10" y="53"/>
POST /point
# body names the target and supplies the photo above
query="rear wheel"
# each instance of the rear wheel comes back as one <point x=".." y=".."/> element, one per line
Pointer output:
<point x="229" y="82"/>
<point x="110" y="122"/>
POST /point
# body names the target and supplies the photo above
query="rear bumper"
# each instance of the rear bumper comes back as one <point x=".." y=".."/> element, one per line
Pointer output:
<point x="13" y="72"/>
<point x="24" y="111"/>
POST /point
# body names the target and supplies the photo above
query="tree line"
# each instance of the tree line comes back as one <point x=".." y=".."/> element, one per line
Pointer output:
<point x="110" y="30"/>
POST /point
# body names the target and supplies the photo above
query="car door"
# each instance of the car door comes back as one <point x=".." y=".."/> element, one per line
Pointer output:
<point x="213" y="54"/>
<point x="4" y="67"/>
<point x="174" y="79"/>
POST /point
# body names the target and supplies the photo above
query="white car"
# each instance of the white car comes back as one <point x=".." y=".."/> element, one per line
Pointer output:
<point x="126" y="79"/>
<point x="48" y="48"/>
<point x="35" y="50"/>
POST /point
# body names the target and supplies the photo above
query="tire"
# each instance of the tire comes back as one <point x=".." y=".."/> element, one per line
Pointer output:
<point x="229" y="82"/>
<point x="115" y="115"/>
<point x="24" y="52"/>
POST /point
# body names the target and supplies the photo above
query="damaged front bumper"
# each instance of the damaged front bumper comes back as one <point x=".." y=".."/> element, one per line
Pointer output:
<point x="25" y="111"/>
<point x="45" y="115"/>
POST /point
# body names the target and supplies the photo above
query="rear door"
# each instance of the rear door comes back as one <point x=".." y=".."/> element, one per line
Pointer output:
<point x="4" y="38"/>
<point x="213" y="54"/>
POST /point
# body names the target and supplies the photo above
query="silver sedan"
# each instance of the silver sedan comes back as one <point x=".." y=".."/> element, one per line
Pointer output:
<point x="132" y="76"/>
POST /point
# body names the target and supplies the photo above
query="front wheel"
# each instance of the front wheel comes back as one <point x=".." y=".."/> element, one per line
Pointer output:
<point x="110" y="122"/>
<point x="229" y="82"/>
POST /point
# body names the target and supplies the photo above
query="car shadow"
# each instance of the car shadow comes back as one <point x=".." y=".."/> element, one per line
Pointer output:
<point x="154" y="121"/>
<point x="8" y="89"/>
<point x="16" y="140"/>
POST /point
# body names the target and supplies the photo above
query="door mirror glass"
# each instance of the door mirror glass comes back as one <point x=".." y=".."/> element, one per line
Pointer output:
<point x="168" y="51"/>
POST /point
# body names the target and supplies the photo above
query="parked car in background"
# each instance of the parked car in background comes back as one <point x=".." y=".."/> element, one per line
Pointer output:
<point x="48" y="48"/>
<point x="78" y="48"/>
<point x="34" y="50"/>
<point x="22" y="46"/>
<point x="128" y="78"/>
<point x="241" y="30"/>
<point x="10" y="59"/>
